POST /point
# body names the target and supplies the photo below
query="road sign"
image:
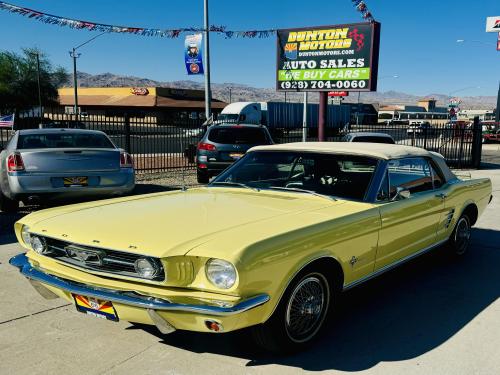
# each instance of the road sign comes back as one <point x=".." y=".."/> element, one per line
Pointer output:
<point x="493" y="24"/>
<point x="333" y="94"/>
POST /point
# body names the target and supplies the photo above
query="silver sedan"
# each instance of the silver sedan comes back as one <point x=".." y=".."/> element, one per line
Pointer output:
<point x="46" y="164"/>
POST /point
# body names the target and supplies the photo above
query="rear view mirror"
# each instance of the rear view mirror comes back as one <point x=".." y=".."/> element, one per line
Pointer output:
<point x="401" y="193"/>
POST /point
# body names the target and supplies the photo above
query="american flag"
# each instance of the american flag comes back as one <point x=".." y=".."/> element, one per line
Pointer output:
<point x="7" y="121"/>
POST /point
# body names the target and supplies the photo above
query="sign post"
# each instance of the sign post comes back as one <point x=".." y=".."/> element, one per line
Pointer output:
<point x="328" y="58"/>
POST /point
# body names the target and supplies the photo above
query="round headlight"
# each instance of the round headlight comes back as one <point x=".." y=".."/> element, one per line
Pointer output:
<point x="39" y="244"/>
<point x="26" y="236"/>
<point x="146" y="268"/>
<point x="221" y="273"/>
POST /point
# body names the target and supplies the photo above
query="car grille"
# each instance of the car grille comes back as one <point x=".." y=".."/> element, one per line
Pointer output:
<point x="109" y="261"/>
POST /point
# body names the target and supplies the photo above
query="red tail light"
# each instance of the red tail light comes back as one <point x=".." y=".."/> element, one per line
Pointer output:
<point x="126" y="160"/>
<point x="15" y="163"/>
<point x="206" y="147"/>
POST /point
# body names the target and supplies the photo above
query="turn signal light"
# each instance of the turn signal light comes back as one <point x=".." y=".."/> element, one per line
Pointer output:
<point x="206" y="146"/>
<point x="15" y="163"/>
<point x="214" y="326"/>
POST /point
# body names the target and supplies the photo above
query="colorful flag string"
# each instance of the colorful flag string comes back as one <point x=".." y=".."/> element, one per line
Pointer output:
<point x="164" y="33"/>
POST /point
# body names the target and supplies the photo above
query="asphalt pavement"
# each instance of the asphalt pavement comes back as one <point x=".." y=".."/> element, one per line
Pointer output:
<point x="431" y="316"/>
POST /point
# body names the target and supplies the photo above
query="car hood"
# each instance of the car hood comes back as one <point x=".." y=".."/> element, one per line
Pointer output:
<point x="169" y="224"/>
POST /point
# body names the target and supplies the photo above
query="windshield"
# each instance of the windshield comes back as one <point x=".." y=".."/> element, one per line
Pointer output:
<point x="228" y="117"/>
<point x="64" y="140"/>
<point x="342" y="176"/>
<point x="238" y="135"/>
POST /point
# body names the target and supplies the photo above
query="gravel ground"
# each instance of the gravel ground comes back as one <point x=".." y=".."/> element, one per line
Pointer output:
<point x="172" y="179"/>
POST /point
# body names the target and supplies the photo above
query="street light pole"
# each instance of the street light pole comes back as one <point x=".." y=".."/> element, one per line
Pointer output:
<point x="76" y="55"/>
<point x="208" y="92"/>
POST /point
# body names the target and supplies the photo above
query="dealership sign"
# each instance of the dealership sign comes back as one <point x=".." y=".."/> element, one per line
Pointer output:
<point x="493" y="24"/>
<point x="340" y="57"/>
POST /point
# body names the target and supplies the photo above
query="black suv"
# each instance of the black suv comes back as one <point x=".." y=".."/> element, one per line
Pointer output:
<point x="222" y="145"/>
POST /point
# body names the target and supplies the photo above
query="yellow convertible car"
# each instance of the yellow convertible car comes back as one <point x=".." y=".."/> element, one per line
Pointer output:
<point x="269" y="244"/>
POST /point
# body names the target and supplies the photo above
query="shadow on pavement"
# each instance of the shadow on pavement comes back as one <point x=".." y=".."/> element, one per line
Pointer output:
<point x="398" y="316"/>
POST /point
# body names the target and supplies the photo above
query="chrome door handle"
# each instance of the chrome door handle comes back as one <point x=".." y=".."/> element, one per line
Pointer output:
<point x="441" y="195"/>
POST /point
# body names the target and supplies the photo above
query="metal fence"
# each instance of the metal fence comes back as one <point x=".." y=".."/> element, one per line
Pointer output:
<point x="157" y="146"/>
<point x="461" y="146"/>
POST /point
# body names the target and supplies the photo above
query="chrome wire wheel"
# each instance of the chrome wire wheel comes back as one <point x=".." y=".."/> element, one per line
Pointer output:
<point x="462" y="235"/>
<point x="307" y="307"/>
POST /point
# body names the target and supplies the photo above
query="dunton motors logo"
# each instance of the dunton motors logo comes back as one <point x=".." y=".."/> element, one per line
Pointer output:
<point x="497" y="24"/>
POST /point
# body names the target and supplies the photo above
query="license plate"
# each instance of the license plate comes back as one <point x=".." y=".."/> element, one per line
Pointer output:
<point x="76" y="181"/>
<point x="236" y="155"/>
<point x="95" y="307"/>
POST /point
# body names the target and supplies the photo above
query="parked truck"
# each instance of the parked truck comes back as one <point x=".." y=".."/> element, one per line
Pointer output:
<point x="278" y="115"/>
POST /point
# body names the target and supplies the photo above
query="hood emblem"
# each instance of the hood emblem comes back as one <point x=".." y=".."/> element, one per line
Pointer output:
<point x="86" y="256"/>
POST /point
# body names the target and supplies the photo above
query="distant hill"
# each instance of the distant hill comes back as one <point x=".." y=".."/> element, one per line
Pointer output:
<point x="241" y="92"/>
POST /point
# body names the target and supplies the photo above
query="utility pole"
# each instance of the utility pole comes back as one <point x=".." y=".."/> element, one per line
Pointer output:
<point x="37" y="54"/>
<point x="322" y="115"/>
<point x="75" y="55"/>
<point x="208" y="92"/>
<point x="230" y="101"/>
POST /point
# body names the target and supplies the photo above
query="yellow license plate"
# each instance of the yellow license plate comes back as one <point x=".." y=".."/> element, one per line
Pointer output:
<point x="95" y="307"/>
<point x="236" y="155"/>
<point x="76" y="181"/>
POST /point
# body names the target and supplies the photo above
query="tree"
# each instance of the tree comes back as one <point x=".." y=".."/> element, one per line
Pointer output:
<point x="18" y="80"/>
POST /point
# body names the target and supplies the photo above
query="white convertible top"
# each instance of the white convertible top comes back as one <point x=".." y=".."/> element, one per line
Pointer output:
<point x="373" y="150"/>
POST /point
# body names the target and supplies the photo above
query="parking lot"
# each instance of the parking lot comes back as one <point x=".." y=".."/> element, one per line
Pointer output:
<point x="432" y="315"/>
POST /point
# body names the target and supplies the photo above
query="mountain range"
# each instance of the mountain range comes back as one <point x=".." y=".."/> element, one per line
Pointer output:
<point x="237" y="92"/>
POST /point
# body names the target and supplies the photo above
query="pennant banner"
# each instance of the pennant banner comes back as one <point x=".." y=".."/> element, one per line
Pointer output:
<point x="164" y="33"/>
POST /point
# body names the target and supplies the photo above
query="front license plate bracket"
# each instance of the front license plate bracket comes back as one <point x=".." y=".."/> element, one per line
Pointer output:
<point x="95" y="307"/>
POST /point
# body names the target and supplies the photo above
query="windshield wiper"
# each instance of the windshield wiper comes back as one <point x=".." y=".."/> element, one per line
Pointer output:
<point x="299" y="190"/>
<point x="230" y="183"/>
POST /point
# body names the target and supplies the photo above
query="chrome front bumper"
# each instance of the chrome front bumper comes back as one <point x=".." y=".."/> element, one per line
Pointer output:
<point x="132" y="298"/>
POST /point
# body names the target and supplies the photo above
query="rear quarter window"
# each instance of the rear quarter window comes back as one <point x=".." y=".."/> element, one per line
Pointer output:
<point x="238" y="135"/>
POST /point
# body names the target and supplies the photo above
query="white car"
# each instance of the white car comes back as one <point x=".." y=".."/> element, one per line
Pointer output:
<point x="369" y="137"/>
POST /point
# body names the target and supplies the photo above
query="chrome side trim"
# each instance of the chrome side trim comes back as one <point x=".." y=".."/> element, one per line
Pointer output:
<point x="392" y="265"/>
<point x="131" y="298"/>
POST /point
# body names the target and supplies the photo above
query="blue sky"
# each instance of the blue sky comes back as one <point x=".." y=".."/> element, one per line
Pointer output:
<point x="418" y="39"/>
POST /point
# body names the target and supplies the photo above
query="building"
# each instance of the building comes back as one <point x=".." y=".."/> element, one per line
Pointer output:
<point x="483" y="114"/>
<point x="161" y="105"/>
<point x="425" y="110"/>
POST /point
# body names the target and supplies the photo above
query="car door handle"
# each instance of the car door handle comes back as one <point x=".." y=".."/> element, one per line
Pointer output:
<point x="441" y="195"/>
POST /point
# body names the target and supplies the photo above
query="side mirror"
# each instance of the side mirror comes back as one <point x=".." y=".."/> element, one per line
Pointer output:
<point x="401" y="193"/>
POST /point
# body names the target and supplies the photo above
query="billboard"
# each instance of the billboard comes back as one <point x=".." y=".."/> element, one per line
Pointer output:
<point x="493" y="24"/>
<point x="327" y="58"/>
